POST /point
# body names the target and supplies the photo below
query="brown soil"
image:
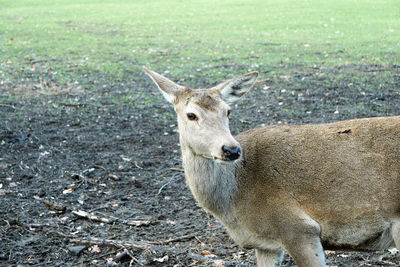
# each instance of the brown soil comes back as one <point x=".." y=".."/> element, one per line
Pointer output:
<point x="113" y="151"/>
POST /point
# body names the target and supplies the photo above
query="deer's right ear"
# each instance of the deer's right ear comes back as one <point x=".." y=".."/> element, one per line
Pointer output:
<point x="168" y="88"/>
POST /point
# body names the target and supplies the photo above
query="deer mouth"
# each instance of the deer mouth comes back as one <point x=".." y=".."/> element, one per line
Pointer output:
<point x="224" y="160"/>
<point x="219" y="159"/>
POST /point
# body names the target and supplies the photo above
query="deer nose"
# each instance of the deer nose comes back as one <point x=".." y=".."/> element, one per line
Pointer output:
<point x="231" y="153"/>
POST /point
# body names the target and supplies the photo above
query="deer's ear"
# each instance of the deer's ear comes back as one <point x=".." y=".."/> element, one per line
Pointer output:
<point x="232" y="90"/>
<point x="168" y="88"/>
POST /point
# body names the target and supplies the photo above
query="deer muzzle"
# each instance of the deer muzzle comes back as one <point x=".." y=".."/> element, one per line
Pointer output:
<point x="231" y="152"/>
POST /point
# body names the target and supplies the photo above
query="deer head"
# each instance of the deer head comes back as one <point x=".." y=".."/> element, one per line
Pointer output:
<point x="203" y="115"/>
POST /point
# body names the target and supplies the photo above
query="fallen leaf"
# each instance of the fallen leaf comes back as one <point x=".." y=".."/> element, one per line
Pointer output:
<point x="95" y="249"/>
<point x="68" y="191"/>
<point x="207" y="254"/>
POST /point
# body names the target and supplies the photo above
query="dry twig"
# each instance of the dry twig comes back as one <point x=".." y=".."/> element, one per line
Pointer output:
<point x="113" y="243"/>
<point x="176" y="169"/>
<point x="167" y="183"/>
<point x="87" y="215"/>
<point x="137" y="165"/>
<point x="180" y="238"/>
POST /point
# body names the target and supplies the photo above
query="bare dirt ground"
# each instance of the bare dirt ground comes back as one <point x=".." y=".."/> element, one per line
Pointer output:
<point x="68" y="152"/>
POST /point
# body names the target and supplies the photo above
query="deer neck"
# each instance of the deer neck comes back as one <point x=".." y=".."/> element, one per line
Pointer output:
<point x="213" y="184"/>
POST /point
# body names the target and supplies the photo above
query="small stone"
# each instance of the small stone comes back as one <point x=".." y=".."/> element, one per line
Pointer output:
<point x="76" y="250"/>
<point x="41" y="192"/>
<point x="122" y="256"/>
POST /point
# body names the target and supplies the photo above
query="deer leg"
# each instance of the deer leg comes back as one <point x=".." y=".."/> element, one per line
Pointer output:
<point x="307" y="251"/>
<point x="269" y="258"/>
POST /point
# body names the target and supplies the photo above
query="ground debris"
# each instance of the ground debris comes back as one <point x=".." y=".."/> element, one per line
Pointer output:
<point x="90" y="216"/>
<point x="76" y="250"/>
<point x="81" y="138"/>
<point x="216" y="262"/>
<point x="55" y="206"/>
<point x="126" y="255"/>
<point x="116" y="243"/>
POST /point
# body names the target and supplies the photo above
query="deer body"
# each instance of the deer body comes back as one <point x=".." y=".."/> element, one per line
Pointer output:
<point x="297" y="188"/>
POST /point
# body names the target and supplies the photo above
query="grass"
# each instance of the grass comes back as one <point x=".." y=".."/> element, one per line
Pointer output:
<point x="73" y="41"/>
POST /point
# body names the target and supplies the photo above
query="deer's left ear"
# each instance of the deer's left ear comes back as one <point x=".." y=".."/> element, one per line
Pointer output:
<point x="232" y="90"/>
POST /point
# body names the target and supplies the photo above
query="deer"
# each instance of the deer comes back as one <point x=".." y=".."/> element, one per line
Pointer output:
<point x="295" y="188"/>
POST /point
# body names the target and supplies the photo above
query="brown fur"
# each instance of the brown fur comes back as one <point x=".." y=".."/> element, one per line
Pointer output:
<point x="338" y="180"/>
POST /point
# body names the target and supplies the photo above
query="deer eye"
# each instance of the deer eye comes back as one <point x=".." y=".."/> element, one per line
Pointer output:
<point x="191" y="116"/>
<point x="228" y="113"/>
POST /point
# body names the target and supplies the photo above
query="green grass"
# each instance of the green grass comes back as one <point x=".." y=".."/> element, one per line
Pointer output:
<point x="80" y="41"/>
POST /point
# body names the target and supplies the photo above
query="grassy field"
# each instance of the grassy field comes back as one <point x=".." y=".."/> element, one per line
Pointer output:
<point x="72" y="41"/>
